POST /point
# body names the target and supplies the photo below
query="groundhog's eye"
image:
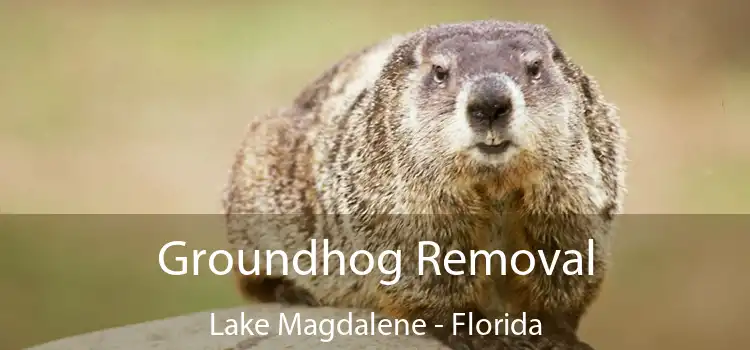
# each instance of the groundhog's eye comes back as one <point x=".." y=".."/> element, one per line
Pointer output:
<point x="439" y="73"/>
<point x="534" y="69"/>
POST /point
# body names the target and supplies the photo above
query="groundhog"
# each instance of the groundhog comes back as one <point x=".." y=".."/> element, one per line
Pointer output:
<point x="482" y="135"/>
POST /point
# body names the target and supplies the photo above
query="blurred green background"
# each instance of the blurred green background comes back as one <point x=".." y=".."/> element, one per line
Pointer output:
<point x="137" y="107"/>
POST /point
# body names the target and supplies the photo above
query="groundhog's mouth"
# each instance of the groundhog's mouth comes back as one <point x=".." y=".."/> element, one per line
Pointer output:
<point x="494" y="149"/>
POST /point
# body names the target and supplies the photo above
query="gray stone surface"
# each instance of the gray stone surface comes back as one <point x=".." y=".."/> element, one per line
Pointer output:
<point x="193" y="332"/>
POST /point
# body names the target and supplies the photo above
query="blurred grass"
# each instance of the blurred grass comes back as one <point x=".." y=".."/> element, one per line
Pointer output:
<point x="106" y="275"/>
<point x="137" y="108"/>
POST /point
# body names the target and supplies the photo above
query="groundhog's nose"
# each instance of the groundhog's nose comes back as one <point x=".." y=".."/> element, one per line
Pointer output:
<point x="490" y="102"/>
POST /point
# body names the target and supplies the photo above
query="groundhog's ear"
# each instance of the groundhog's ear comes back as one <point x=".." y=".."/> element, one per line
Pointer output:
<point x="419" y="51"/>
<point x="557" y="54"/>
<point x="572" y="72"/>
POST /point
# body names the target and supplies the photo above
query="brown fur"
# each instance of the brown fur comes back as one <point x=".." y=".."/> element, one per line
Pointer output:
<point x="344" y="155"/>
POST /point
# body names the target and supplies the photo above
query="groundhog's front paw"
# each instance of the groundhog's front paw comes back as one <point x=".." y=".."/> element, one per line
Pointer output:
<point x="556" y="343"/>
<point x="463" y="341"/>
<point x="288" y="293"/>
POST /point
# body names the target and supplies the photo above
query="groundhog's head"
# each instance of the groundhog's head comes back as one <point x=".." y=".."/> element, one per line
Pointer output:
<point x="484" y="95"/>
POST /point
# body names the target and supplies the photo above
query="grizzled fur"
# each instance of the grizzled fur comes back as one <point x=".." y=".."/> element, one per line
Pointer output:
<point x="379" y="134"/>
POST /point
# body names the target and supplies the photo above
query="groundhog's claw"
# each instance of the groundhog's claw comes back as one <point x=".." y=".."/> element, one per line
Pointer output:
<point x="464" y="341"/>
